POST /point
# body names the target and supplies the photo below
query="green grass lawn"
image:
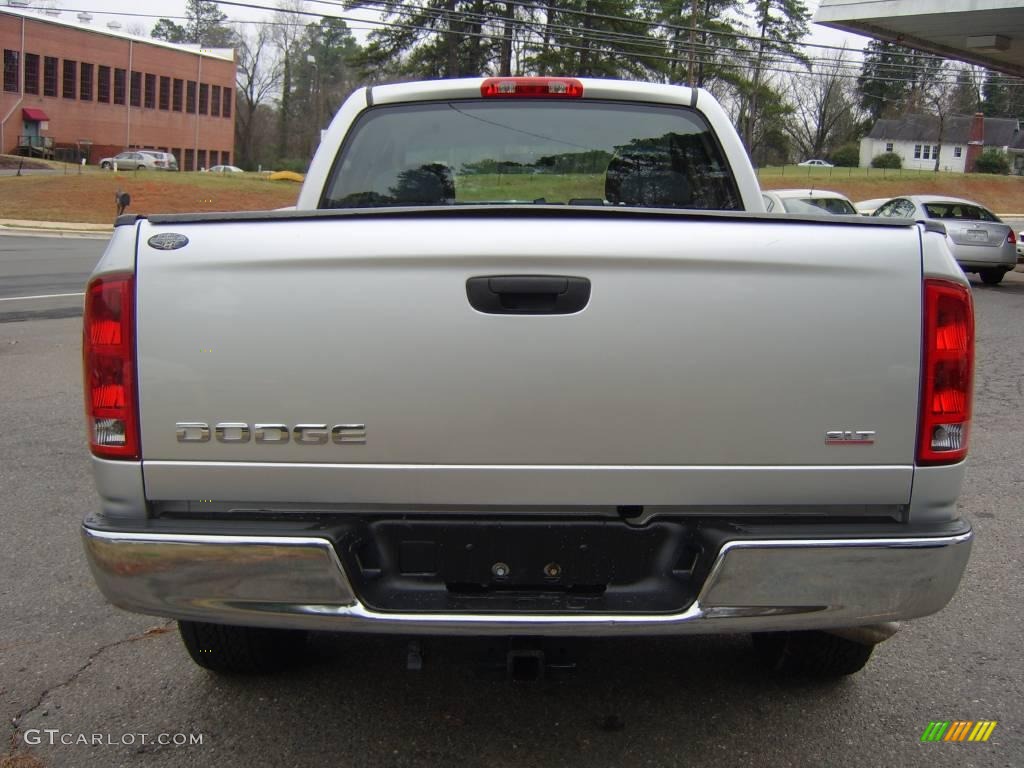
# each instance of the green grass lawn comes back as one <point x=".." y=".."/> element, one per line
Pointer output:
<point x="554" y="188"/>
<point x="796" y="173"/>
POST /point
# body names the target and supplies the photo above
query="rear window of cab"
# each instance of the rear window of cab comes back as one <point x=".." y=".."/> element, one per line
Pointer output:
<point x="589" y="153"/>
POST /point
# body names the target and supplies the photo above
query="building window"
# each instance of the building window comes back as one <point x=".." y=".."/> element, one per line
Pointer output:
<point x="225" y="158"/>
<point x="190" y="97"/>
<point x="958" y="151"/>
<point x="204" y="98"/>
<point x="49" y="76"/>
<point x="70" y="78"/>
<point x="150" y="100"/>
<point x="935" y="152"/>
<point x="215" y="101"/>
<point x="888" y="146"/>
<point x="11" y="70"/>
<point x="226" y="103"/>
<point x="917" y="151"/>
<point x="32" y="73"/>
<point x="202" y="159"/>
<point x="120" y="76"/>
<point x="189" y="159"/>
<point x="177" y="156"/>
<point x="178" y="87"/>
<point x="135" y="94"/>
<point x="85" y="82"/>
<point x="165" y="93"/>
<point x="103" y="85"/>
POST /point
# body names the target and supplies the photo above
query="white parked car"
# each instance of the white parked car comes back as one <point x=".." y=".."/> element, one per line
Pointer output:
<point x="807" y="201"/>
<point x="816" y="164"/>
<point x="225" y="169"/>
<point x="867" y="207"/>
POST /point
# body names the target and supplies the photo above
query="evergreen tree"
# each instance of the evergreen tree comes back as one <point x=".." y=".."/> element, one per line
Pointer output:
<point x="457" y="38"/>
<point x="168" y="30"/>
<point x="597" y="38"/>
<point x="895" y="80"/>
<point x="1002" y="95"/>
<point x="323" y="77"/>
<point x="780" y="24"/>
<point x="966" y="98"/>
<point x="699" y="40"/>
<point x="204" y="25"/>
<point x="434" y="38"/>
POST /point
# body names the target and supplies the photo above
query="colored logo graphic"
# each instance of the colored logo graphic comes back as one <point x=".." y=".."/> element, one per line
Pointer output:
<point x="959" y="730"/>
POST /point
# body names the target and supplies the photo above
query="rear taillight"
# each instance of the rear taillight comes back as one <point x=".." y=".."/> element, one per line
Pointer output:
<point x="532" y="87"/>
<point x="111" y="408"/>
<point x="1011" y="238"/>
<point x="948" y="373"/>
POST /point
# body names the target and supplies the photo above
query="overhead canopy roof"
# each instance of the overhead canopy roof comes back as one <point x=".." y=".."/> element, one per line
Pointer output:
<point x="989" y="33"/>
<point x="33" y="114"/>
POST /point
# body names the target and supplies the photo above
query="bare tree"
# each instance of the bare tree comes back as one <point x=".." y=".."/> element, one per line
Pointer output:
<point x="258" y="76"/>
<point x="938" y="96"/>
<point x="289" y="21"/>
<point x="823" y="103"/>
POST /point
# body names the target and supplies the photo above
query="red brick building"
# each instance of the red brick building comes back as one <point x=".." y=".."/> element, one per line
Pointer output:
<point x="70" y="87"/>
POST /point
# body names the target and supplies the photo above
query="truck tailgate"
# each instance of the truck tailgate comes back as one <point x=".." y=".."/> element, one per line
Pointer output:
<point x="706" y="369"/>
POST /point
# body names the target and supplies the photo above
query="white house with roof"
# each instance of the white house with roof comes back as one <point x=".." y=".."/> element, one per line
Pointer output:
<point x="918" y="140"/>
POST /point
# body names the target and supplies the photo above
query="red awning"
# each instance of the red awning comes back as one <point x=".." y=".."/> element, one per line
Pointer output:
<point x="33" y="115"/>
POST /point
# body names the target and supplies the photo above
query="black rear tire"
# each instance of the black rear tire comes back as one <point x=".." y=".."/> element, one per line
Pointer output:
<point x="105" y="166"/>
<point x="810" y="654"/>
<point x="991" y="276"/>
<point x="241" y="650"/>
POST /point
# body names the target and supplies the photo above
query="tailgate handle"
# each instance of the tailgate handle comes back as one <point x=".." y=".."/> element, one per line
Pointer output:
<point x="528" y="294"/>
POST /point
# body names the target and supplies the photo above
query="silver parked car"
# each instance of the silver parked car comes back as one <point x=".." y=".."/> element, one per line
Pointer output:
<point x="130" y="161"/>
<point x="980" y="242"/>
<point x="807" y="201"/>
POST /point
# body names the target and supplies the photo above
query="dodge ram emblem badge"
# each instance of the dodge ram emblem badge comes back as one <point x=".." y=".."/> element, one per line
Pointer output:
<point x="167" y="241"/>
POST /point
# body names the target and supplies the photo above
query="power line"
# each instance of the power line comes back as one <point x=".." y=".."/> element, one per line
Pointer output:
<point x="607" y="36"/>
<point x="642" y="41"/>
<point x="611" y="17"/>
<point x="771" y="64"/>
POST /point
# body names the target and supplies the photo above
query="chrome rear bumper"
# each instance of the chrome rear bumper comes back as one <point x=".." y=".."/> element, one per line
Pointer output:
<point x="299" y="582"/>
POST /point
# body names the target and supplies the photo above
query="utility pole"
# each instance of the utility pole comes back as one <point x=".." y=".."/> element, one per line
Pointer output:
<point x="316" y="99"/>
<point x="692" y="68"/>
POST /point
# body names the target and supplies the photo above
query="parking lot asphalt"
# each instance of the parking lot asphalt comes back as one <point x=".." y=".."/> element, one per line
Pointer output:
<point x="73" y="667"/>
<point x="43" y="277"/>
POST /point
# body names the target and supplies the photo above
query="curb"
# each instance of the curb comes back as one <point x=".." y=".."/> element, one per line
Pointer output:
<point x="9" y="231"/>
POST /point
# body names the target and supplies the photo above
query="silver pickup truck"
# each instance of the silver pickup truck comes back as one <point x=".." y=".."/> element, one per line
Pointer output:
<point x="528" y="359"/>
